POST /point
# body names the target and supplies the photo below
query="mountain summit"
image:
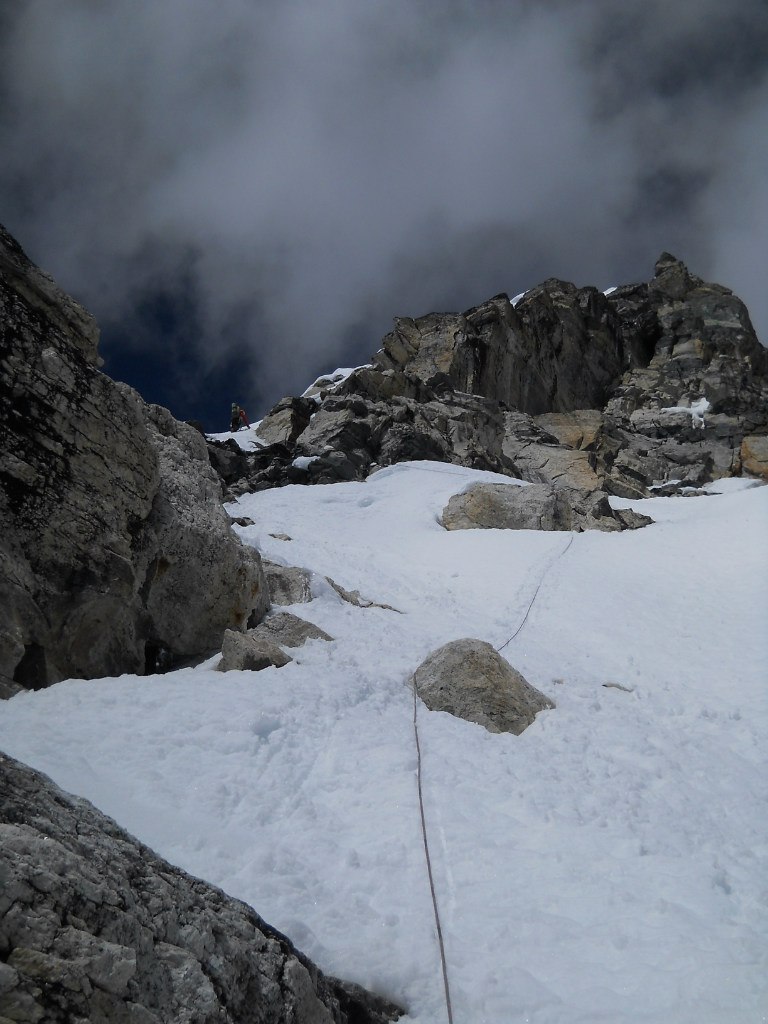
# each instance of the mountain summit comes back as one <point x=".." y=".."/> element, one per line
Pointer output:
<point x="651" y="385"/>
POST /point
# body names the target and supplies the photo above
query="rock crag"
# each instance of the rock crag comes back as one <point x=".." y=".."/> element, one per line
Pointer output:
<point x="95" y="926"/>
<point x="661" y="383"/>
<point x="116" y="553"/>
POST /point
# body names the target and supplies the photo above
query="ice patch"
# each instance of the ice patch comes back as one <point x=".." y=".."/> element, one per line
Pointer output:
<point x="696" y="410"/>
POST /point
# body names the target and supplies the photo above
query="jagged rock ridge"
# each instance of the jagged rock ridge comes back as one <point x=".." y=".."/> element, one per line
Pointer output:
<point x="651" y="384"/>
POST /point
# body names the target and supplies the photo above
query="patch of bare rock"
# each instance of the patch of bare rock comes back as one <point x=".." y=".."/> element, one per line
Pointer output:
<point x="94" y="926"/>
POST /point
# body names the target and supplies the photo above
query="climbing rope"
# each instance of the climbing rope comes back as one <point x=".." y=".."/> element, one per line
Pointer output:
<point x="536" y="593"/>
<point x="441" y="945"/>
<point x="427" y="857"/>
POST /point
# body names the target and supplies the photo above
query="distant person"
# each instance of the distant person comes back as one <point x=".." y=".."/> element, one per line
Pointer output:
<point x="238" y="418"/>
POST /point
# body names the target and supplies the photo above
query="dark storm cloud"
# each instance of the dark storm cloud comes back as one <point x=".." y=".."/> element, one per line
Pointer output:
<point x="302" y="171"/>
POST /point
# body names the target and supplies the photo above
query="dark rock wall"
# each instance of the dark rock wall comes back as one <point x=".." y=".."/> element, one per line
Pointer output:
<point x="570" y="387"/>
<point x="114" y="547"/>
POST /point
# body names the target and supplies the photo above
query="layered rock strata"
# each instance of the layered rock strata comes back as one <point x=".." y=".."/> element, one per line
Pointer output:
<point x="116" y="553"/>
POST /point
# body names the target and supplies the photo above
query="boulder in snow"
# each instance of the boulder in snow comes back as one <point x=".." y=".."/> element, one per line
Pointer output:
<point x="288" y="630"/>
<point x="470" y="679"/>
<point x="245" y="652"/>
<point x="537" y="507"/>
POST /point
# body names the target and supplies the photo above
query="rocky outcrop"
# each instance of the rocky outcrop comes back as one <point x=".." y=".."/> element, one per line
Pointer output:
<point x="559" y="349"/>
<point x="646" y="385"/>
<point x="685" y="413"/>
<point x="470" y="679"/>
<point x="95" y="926"/>
<point x="289" y="630"/>
<point x="263" y="647"/>
<point x="246" y="652"/>
<point x="535" y="507"/>
<point x="116" y="553"/>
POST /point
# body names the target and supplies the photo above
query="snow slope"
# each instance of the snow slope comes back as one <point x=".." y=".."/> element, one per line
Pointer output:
<point x="608" y="866"/>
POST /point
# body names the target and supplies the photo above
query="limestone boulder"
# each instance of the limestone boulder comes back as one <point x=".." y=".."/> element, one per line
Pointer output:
<point x="117" y="555"/>
<point x="504" y="507"/>
<point x="250" y="652"/>
<point x="535" y="507"/>
<point x="94" y="926"/>
<point x="754" y="455"/>
<point x="287" y="630"/>
<point x="468" y="678"/>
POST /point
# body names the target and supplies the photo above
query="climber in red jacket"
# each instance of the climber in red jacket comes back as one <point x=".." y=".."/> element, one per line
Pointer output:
<point x="238" y="418"/>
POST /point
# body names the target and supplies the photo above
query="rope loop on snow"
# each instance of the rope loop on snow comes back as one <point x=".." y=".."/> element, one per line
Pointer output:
<point x="441" y="945"/>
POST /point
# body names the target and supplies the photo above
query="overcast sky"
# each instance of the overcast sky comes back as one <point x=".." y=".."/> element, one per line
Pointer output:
<point x="245" y="192"/>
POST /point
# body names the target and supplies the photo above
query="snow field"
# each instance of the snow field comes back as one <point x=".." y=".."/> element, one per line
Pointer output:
<point x="609" y="865"/>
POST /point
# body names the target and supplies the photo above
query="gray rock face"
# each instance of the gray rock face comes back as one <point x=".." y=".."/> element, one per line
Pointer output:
<point x="470" y="679"/>
<point x="116" y="554"/>
<point x="94" y="926"/>
<point x="704" y="356"/>
<point x="537" y="507"/>
<point x="287" y="420"/>
<point x="570" y="387"/>
<point x="559" y="349"/>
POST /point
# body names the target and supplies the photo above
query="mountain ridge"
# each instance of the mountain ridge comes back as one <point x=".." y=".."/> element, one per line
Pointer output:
<point x="506" y="387"/>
